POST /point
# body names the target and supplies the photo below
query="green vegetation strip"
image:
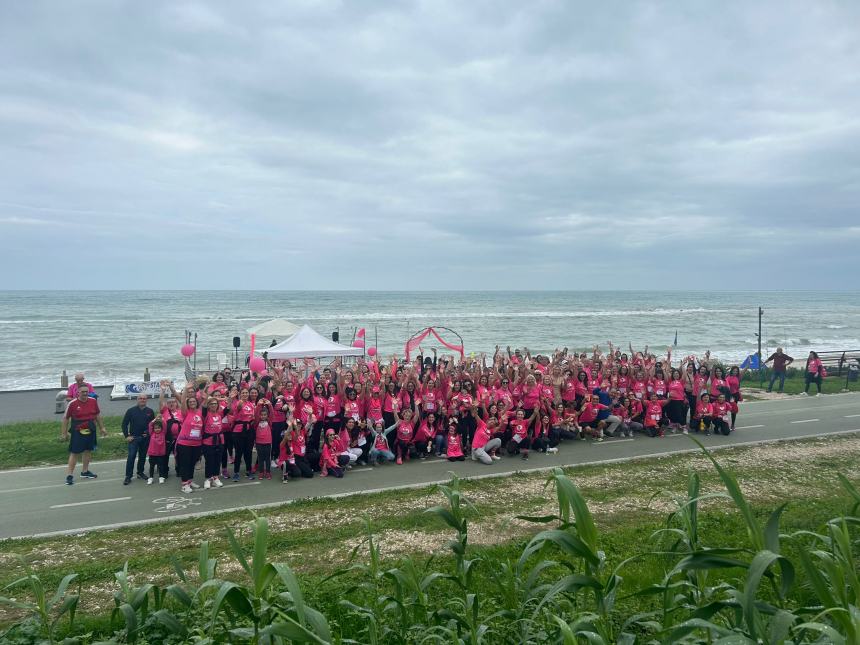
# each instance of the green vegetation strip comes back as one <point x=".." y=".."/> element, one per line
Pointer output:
<point x="37" y="443"/>
<point x="318" y="538"/>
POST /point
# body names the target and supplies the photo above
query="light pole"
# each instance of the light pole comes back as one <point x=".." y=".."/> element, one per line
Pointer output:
<point x="760" y="366"/>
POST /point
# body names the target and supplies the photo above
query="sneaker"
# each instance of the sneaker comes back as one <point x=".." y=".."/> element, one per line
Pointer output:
<point x="399" y="461"/>
<point x="496" y="458"/>
<point x="707" y="433"/>
<point x="186" y="489"/>
<point x="525" y="455"/>
<point x="89" y="474"/>
<point x="149" y="481"/>
<point x="804" y="394"/>
<point x="207" y="485"/>
<point x="235" y="477"/>
<point x="684" y="431"/>
<point x="217" y="483"/>
<point x="193" y="485"/>
<point x="661" y="434"/>
<point x="285" y="480"/>
<point x="141" y="476"/>
<point x="251" y="476"/>
<point x="819" y="394"/>
<point x="126" y="481"/>
<point x="225" y="474"/>
<point x="70" y="479"/>
<point x="552" y="450"/>
<point x="161" y="480"/>
<point x="599" y="439"/>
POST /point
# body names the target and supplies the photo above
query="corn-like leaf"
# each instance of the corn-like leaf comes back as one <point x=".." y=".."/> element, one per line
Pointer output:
<point x="61" y="589"/>
<point x="757" y="568"/>
<point x="771" y="530"/>
<point x="261" y="545"/>
<point x="237" y="551"/>
<point x="235" y="596"/>
<point x="570" y="498"/>
<point x="852" y="490"/>
<point x="753" y="528"/>
<point x="130" y="617"/>
<point x="833" y="637"/>
<point x="173" y="625"/>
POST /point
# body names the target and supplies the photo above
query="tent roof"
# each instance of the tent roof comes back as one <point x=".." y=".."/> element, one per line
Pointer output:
<point x="306" y="343"/>
<point x="274" y="327"/>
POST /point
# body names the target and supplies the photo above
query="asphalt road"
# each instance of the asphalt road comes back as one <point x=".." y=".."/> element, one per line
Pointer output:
<point x="36" y="501"/>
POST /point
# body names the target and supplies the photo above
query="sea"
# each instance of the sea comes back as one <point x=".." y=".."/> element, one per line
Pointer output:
<point x="113" y="336"/>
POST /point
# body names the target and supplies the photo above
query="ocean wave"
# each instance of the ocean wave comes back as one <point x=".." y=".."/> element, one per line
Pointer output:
<point x="835" y="326"/>
<point x="367" y="316"/>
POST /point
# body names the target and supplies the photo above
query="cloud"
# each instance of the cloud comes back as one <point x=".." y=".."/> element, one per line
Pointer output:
<point x="433" y="144"/>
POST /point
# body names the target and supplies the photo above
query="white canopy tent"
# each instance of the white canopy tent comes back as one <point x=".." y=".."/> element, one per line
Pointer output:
<point x="306" y="343"/>
<point x="275" y="328"/>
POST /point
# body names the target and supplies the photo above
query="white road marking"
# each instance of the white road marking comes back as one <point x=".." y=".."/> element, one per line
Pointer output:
<point x="761" y="425"/>
<point x="611" y="441"/>
<point x="95" y="481"/>
<point x="804" y="421"/>
<point x="95" y="501"/>
<point x="851" y="416"/>
<point x="370" y="491"/>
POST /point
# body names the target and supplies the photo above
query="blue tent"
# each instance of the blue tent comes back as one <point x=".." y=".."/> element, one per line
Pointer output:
<point x="750" y="362"/>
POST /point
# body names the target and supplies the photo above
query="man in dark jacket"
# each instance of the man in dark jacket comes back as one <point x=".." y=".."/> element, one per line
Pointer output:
<point x="135" y="429"/>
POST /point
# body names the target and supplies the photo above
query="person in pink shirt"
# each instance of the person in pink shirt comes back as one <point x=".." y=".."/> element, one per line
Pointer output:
<point x="703" y="414"/>
<point x="78" y="383"/>
<point x="587" y="417"/>
<point x="813" y="373"/>
<point x="484" y="445"/>
<point x="212" y="443"/>
<point x="171" y="414"/>
<point x="263" y="442"/>
<point x="243" y="413"/>
<point x="157" y="450"/>
<point x="520" y="433"/>
<point x="189" y="441"/>
<point x="454" y="449"/>
<point x="676" y="409"/>
<point x="331" y="462"/>
<point x="721" y="415"/>
<point x="654" y="419"/>
<point x="733" y="380"/>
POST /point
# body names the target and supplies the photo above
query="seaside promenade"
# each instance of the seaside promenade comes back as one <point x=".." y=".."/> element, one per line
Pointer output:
<point x="36" y="502"/>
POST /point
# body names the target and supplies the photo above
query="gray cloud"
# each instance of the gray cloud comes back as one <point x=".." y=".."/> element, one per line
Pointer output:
<point x="430" y="144"/>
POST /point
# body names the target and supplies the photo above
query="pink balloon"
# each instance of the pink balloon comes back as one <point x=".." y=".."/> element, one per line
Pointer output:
<point x="360" y="333"/>
<point x="358" y="343"/>
<point x="371" y="351"/>
<point x="257" y="364"/>
<point x="187" y="350"/>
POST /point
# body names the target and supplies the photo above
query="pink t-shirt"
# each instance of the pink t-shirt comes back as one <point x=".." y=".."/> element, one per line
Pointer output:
<point x="455" y="446"/>
<point x="676" y="390"/>
<point x="264" y="433"/>
<point x="482" y="435"/>
<point x="191" y="433"/>
<point x="157" y="442"/>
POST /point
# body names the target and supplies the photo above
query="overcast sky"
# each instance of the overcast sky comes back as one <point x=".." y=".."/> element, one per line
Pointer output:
<point x="540" y="145"/>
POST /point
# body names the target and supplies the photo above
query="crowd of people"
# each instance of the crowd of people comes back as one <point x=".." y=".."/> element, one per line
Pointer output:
<point x="298" y="421"/>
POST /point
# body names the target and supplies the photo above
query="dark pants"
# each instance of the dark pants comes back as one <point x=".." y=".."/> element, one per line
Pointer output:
<point x="278" y="428"/>
<point x="721" y="426"/>
<point x="813" y="378"/>
<point x="243" y="446"/>
<point x="161" y="462"/>
<point x="186" y="459"/>
<point x="136" y="450"/>
<point x="264" y="457"/>
<point x="773" y="377"/>
<point x="299" y="469"/>
<point x="226" y="450"/>
<point x="212" y="460"/>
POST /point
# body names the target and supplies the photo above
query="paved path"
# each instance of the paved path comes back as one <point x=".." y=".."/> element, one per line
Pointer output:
<point x="39" y="405"/>
<point x="36" y="502"/>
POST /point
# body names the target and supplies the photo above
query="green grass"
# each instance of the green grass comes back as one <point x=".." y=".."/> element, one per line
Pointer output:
<point x="38" y="443"/>
<point x="795" y="384"/>
<point x="316" y="537"/>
